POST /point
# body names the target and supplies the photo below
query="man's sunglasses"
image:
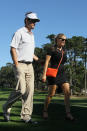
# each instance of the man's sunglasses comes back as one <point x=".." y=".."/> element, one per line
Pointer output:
<point x="32" y="20"/>
<point x="62" y="39"/>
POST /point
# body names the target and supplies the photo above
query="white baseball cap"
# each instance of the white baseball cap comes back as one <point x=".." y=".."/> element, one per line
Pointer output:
<point x="32" y="16"/>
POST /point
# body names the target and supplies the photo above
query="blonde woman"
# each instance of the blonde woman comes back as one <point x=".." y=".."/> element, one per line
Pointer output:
<point x="54" y="56"/>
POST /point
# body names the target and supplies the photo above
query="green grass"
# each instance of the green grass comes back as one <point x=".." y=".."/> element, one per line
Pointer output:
<point x="56" y="110"/>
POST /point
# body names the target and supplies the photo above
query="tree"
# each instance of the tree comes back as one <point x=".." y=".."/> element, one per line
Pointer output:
<point x="7" y="76"/>
<point x="85" y="61"/>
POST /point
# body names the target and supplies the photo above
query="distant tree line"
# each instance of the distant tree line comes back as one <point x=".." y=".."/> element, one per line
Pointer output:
<point x="76" y="67"/>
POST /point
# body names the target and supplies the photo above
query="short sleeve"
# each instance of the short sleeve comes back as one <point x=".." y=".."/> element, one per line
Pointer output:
<point x="50" y="51"/>
<point x="16" y="40"/>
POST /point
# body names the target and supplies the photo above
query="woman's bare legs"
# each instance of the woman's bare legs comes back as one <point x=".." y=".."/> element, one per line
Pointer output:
<point x="66" y="89"/>
<point x="51" y="93"/>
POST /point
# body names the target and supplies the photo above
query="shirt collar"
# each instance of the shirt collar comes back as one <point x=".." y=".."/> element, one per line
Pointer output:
<point x="26" y="30"/>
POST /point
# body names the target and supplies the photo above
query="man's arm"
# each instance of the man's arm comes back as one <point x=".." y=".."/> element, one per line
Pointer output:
<point x="14" y="56"/>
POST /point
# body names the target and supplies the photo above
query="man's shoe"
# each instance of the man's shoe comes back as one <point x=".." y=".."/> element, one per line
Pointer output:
<point x="6" y="115"/>
<point x="30" y="122"/>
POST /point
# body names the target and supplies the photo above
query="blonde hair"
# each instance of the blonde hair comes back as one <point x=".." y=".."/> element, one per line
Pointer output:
<point x="58" y="36"/>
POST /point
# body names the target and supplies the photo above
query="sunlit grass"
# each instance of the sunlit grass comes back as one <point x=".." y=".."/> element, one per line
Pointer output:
<point x="56" y="113"/>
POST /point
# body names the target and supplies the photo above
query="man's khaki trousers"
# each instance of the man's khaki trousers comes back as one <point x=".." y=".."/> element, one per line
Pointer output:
<point x="24" y="74"/>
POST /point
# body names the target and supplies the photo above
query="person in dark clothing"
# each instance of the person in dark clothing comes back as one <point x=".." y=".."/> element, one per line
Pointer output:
<point x="54" y="56"/>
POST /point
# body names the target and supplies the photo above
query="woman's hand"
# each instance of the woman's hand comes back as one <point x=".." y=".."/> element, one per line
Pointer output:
<point x="44" y="78"/>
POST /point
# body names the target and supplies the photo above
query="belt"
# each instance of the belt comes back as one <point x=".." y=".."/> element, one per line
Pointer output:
<point x="25" y="62"/>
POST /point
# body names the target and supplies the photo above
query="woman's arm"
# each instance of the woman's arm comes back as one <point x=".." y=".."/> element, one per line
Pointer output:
<point x="35" y="58"/>
<point x="45" y="67"/>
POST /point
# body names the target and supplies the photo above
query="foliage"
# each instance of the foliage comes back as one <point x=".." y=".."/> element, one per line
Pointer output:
<point x="76" y="68"/>
<point x="7" y="76"/>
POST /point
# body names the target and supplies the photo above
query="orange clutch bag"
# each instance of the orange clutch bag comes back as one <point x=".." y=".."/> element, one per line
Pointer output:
<point x="53" y="72"/>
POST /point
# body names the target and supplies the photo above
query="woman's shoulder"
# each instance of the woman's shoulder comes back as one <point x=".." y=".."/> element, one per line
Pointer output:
<point x="51" y="50"/>
<point x="64" y="50"/>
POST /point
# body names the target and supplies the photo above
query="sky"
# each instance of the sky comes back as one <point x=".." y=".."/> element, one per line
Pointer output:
<point x="56" y="16"/>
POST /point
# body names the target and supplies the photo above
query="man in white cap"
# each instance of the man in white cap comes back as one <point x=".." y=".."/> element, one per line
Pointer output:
<point x="22" y="52"/>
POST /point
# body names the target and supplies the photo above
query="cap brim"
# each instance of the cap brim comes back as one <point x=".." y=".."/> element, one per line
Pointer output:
<point x="37" y="20"/>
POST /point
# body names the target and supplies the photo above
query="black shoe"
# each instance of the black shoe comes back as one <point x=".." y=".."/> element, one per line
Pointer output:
<point x="30" y="122"/>
<point x="45" y="115"/>
<point x="70" y="119"/>
<point x="6" y="115"/>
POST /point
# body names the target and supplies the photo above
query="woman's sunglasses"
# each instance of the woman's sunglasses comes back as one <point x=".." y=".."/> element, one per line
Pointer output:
<point x="62" y="39"/>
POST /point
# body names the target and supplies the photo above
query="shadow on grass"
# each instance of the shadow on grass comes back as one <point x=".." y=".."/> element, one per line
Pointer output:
<point x="55" y="121"/>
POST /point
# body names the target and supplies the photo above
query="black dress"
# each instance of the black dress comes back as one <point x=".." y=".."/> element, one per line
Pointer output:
<point x="54" y="61"/>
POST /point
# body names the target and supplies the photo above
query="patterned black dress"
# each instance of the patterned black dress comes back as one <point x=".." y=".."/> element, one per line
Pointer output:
<point x="54" y="61"/>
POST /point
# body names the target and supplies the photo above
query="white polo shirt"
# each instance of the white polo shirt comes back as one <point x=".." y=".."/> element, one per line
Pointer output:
<point x="24" y="43"/>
